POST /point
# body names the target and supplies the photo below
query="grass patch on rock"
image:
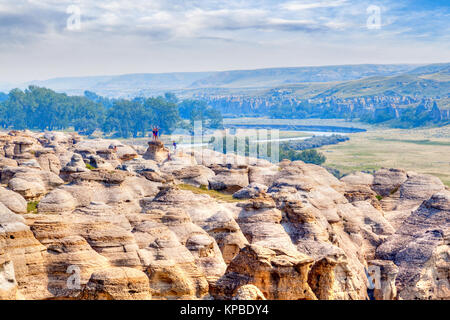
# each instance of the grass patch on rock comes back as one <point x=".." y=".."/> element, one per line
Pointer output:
<point x="212" y="193"/>
<point x="32" y="206"/>
<point x="90" y="167"/>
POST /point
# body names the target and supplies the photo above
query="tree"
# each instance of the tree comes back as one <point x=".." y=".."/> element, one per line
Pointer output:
<point x="45" y="109"/>
<point x="198" y="110"/>
<point x="307" y="156"/>
<point x="164" y="114"/>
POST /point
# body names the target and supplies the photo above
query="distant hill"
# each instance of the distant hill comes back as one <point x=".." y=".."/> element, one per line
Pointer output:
<point x="417" y="97"/>
<point x="403" y="94"/>
<point x="122" y="85"/>
<point x="430" y="69"/>
<point x="153" y="84"/>
<point x="402" y="85"/>
<point x="279" y="76"/>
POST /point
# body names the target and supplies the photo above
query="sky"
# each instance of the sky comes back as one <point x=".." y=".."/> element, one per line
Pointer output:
<point x="42" y="39"/>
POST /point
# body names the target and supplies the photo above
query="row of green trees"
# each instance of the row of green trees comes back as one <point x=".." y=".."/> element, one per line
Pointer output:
<point x="44" y="109"/>
<point x="406" y="117"/>
<point x="410" y="117"/>
<point x="308" y="156"/>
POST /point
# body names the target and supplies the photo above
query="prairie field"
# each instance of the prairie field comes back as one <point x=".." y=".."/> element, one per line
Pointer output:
<point x="420" y="150"/>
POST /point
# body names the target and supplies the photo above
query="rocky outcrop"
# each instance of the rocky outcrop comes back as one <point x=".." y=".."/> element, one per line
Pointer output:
<point x="13" y="201"/>
<point x="194" y="175"/>
<point x="383" y="279"/>
<point x="229" y="180"/>
<point x="248" y="292"/>
<point x="117" y="284"/>
<point x="23" y="271"/>
<point x="420" y="248"/>
<point x="387" y="181"/>
<point x="358" y="187"/>
<point x="262" y="175"/>
<point x="253" y="190"/>
<point x="31" y="183"/>
<point x="276" y="273"/>
<point x="156" y="151"/>
<point x="130" y="229"/>
<point x="57" y="201"/>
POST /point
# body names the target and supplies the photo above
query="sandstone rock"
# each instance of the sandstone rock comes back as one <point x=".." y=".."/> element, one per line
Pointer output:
<point x="277" y="274"/>
<point x="140" y="150"/>
<point x="13" y="201"/>
<point x="24" y="147"/>
<point x="262" y="175"/>
<point x="218" y="220"/>
<point x="30" y="163"/>
<point x="420" y="249"/>
<point x="30" y="183"/>
<point x="387" y="181"/>
<point x="7" y="162"/>
<point x="75" y="165"/>
<point x="156" y="151"/>
<point x="260" y="222"/>
<point x="99" y="163"/>
<point x="420" y="187"/>
<point x="30" y="190"/>
<point x="229" y="181"/>
<point x="99" y="146"/>
<point x="194" y="175"/>
<point x="253" y="190"/>
<point x="20" y="251"/>
<point x="358" y="188"/>
<point x="387" y="273"/>
<point x="65" y="140"/>
<point x="157" y="177"/>
<point x="78" y="245"/>
<point x="110" y="177"/>
<point x="306" y="177"/>
<point x="57" y="201"/>
<point x="169" y="265"/>
<point x="133" y="234"/>
<point x="248" y="292"/>
<point x="338" y="271"/>
<point x="8" y="283"/>
<point x="108" y="154"/>
<point x="210" y="158"/>
<point x="48" y="161"/>
<point x="125" y="153"/>
<point x="139" y="165"/>
<point x="117" y="284"/>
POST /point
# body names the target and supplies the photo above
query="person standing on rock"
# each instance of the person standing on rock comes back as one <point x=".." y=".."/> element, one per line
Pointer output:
<point x="174" y="144"/>
<point x="155" y="133"/>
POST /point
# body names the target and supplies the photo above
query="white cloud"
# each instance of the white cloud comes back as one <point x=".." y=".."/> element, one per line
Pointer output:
<point x="170" y="35"/>
<point x="302" y="5"/>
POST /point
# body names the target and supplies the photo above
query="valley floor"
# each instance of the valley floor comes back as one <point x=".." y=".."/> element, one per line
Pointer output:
<point x="421" y="150"/>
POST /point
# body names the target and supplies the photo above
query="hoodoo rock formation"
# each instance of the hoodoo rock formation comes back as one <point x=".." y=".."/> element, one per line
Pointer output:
<point x="94" y="219"/>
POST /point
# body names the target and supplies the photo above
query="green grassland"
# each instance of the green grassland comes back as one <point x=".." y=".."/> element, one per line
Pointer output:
<point x="424" y="151"/>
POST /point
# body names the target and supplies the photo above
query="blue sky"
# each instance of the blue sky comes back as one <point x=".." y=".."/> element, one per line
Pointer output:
<point x="139" y="36"/>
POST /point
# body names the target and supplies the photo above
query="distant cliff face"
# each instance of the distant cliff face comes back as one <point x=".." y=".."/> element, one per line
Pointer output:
<point x="412" y="98"/>
<point x="132" y="227"/>
<point x="374" y="109"/>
